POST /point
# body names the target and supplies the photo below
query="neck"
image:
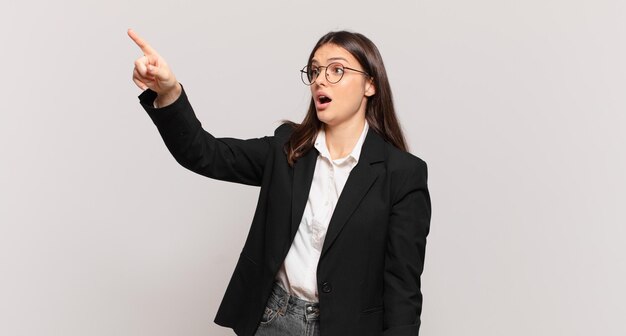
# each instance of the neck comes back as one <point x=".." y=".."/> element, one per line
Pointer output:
<point x="341" y="139"/>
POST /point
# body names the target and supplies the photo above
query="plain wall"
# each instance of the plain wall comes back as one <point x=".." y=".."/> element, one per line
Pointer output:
<point x="518" y="107"/>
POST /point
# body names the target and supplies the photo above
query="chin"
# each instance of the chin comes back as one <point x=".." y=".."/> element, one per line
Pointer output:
<point x="322" y="115"/>
<point x="324" y="118"/>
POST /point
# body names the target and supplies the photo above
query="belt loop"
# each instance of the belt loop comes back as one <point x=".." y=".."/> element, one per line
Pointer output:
<point x="283" y="302"/>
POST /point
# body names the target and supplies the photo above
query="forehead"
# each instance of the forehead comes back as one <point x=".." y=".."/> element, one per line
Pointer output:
<point x="329" y="53"/>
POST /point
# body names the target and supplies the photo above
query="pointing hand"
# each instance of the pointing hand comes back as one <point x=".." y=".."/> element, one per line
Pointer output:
<point x="151" y="71"/>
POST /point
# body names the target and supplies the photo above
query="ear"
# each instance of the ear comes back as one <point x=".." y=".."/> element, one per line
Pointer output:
<point x="370" y="89"/>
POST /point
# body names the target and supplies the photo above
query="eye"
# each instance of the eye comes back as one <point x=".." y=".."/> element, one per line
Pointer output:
<point x="313" y="72"/>
<point x="336" y="69"/>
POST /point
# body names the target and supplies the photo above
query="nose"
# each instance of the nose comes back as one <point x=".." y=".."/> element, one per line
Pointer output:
<point x="321" y="78"/>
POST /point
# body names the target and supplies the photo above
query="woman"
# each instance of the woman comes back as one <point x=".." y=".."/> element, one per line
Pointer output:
<point x="336" y="245"/>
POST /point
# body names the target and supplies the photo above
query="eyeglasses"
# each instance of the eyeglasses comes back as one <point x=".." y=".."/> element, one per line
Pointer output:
<point x="333" y="72"/>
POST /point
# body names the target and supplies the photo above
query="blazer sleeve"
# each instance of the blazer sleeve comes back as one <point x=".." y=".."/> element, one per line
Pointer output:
<point x="227" y="159"/>
<point x="409" y="225"/>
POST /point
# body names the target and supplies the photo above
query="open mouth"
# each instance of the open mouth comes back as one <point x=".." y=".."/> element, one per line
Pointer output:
<point x="324" y="100"/>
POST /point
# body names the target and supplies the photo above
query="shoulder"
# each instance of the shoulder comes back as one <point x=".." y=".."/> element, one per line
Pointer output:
<point x="405" y="170"/>
<point x="283" y="131"/>
<point x="399" y="160"/>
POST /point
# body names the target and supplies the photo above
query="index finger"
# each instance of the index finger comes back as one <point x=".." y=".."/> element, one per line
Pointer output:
<point x="145" y="47"/>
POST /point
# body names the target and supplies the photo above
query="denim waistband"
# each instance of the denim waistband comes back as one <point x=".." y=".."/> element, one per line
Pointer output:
<point x="285" y="303"/>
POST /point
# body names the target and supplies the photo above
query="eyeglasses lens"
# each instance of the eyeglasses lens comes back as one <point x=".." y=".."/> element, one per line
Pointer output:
<point x="333" y="73"/>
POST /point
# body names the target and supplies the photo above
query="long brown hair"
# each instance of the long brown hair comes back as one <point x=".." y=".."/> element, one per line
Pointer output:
<point x="380" y="113"/>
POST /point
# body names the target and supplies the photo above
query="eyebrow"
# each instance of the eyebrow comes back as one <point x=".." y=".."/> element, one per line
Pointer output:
<point x="332" y="59"/>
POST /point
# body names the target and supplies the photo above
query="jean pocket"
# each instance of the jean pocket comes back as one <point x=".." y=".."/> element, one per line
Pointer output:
<point x="268" y="316"/>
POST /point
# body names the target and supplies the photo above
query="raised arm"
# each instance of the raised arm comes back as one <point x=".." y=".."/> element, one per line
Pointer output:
<point x="227" y="159"/>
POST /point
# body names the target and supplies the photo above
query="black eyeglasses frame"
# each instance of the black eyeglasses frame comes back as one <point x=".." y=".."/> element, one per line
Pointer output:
<point x="305" y="73"/>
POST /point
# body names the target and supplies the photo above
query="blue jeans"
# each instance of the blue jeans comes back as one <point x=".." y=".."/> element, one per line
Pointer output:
<point x="287" y="315"/>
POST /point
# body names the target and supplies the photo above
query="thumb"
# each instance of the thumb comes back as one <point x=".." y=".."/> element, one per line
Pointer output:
<point x="157" y="72"/>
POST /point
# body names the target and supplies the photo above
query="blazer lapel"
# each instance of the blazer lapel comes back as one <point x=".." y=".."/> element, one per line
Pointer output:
<point x="302" y="179"/>
<point x="361" y="178"/>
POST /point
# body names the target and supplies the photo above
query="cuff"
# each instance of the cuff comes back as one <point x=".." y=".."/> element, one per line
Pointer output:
<point x="147" y="97"/>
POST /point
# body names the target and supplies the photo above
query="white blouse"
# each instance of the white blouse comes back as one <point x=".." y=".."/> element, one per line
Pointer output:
<point x="298" y="273"/>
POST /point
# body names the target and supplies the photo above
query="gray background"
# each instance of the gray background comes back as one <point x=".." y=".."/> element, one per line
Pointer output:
<point x="517" y="106"/>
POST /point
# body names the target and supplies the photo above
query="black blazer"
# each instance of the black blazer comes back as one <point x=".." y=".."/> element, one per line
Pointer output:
<point x="373" y="254"/>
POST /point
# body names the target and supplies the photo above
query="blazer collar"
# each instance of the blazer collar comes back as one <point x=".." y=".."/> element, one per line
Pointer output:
<point x="361" y="177"/>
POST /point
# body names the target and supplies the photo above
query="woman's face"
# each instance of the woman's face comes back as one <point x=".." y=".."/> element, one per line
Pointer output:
<point x="346" y="100"/>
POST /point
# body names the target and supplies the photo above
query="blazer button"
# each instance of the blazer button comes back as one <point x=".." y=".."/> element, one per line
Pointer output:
<point x="326" y="287"/>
